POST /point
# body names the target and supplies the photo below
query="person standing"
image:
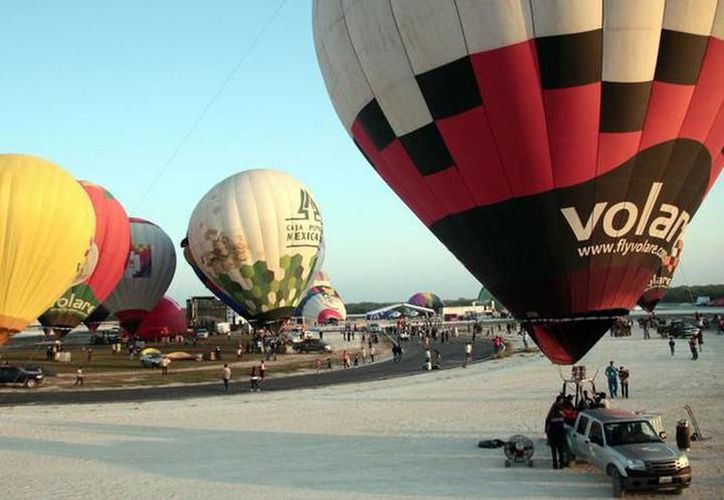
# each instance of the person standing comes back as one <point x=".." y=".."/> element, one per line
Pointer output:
<point x="556" y="434"/>
<point x="317" y="364"/>
<point x="700" y="339"/>
<point x="79" y="376"/>
<point x="672" y="345"/>
<point x="164" y="365"/>
<point x="262" y="373"/>
<point x="468" y="354"/>
<point x="253" y="380"/>
<point x="612" y="376"/>
<point x="372" y="354"/>
<point x="623" y="376"/>
<point x="694" y="351"/>
<point x="364" y="355"/>
<point x="226" y="376"/>
<point x="218" y="353"/>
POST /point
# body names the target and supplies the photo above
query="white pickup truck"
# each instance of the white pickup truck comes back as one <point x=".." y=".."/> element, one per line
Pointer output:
<point x="626" y="447"/>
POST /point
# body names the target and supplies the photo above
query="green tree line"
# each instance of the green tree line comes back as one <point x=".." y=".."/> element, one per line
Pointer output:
<point x="681" y="294"/>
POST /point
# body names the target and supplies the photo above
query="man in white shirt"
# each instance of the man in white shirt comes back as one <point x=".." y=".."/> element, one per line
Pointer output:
<point x="226" y="376"/>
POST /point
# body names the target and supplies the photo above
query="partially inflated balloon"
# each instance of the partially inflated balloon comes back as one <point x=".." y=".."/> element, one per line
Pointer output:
<point x="165" y="320"/>
<point x="557" y="148"/>
<point x="109" y="254"/>
<point x="46" y="226"/>
<point x="321" y="304"/>
<point x="661" y="281"/>
<point x="257" y="236"/>
<point x="149" y="270"/>
<point x="428" y="300"/>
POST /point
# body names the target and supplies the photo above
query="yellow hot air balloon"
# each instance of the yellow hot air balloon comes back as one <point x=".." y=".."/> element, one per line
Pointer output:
<point x="46" y="228"/>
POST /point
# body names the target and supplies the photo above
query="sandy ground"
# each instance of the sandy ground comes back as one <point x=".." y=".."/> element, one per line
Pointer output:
<point x="409" y="437"/>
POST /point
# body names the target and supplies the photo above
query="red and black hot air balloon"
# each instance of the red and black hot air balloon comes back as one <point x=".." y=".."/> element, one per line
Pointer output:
<point x="557" y="148"/>
<point x="661" y="281"/>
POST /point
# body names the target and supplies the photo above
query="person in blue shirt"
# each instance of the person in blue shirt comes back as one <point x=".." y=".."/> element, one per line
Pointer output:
<point x="612" y="375"/>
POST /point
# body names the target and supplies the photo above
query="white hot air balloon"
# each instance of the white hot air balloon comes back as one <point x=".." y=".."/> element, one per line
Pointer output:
<point x="258" y="236"/>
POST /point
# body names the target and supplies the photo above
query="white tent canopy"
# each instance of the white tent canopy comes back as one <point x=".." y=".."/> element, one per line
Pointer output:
<point x="402" y="306"/>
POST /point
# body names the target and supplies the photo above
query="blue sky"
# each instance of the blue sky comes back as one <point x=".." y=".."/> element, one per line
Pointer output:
<point x="109" y="90"/>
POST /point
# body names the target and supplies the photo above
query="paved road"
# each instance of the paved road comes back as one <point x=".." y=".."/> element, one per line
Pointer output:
<point x="452" y="357"/>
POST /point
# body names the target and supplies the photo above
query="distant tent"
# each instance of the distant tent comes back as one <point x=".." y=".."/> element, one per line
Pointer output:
<point x="400" y="310"/>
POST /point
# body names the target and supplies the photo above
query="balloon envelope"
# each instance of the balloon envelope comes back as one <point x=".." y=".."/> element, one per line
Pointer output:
<point x="165" y="320"/>
<point x="257" y="236"/>
<point x="428" y="300"/>
<point x="94" y="319"/>
<point x="46" y="228"/>
<point x="557" y="159"/>
<point x="148" y="273"/>
<point x="109" y="253"/>
<point x="219" y="293"/>
<point x="321" y="305"/>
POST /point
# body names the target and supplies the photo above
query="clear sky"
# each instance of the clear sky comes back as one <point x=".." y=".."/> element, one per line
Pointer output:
<point x="109" y="91"/>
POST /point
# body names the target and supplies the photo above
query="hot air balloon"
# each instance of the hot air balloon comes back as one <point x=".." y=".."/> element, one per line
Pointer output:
<point x="322" y="304"/>
<point x="108" y="256"/>
<point x="428" y="300"/>
<point x="165" y="320"/>
<point x="661" y="281"/>
<point x="557" y="148"/>
<point x="148" y="273"/>
<point x="46" y="228"/>
<point x="257" y="236"/>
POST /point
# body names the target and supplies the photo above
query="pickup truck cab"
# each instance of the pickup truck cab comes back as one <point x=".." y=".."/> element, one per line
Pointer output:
<point x="626" y="447"/>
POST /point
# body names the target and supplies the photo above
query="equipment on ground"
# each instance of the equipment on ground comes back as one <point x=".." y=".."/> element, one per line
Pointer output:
<point x="697" y="435"/>
<point x="518" y="449"/>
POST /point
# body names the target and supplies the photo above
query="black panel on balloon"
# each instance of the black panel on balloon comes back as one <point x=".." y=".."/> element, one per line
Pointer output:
<point x="450" y="89"/>
<point x="680" y="57"/>
<point x="427" y="149"/>
<point x="375" y="125"/>
<point x="624" y="106"/>
<point x="570" y="60"/>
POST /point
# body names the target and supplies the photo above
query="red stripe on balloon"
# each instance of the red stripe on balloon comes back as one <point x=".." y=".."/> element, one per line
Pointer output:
<point x="708" y="95"/>
<point x="615" y="148"/>
<point x="573" y="121"/>
<point x="715" y="145"/>
<point x="400" y="162"/>
<point x="470" y="141"/>
<point x="449" y="187"/>
<point x="509" y="82"/>
<point x="667" y="109"/>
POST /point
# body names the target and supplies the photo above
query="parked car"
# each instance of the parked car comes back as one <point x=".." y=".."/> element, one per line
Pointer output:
<point x="151" y="360"/>
<point x="27" y="375"/>
<point x="201" y="333"/>
<point x="374" y="328"/>
<point x="311" y="345"/>
<point x="679" y="329"/>
<point x="626" y="447"/>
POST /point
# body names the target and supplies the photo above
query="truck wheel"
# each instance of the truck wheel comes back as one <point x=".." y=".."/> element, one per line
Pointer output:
<point x="617" y="484"/>
<point x="30" y="383"/>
